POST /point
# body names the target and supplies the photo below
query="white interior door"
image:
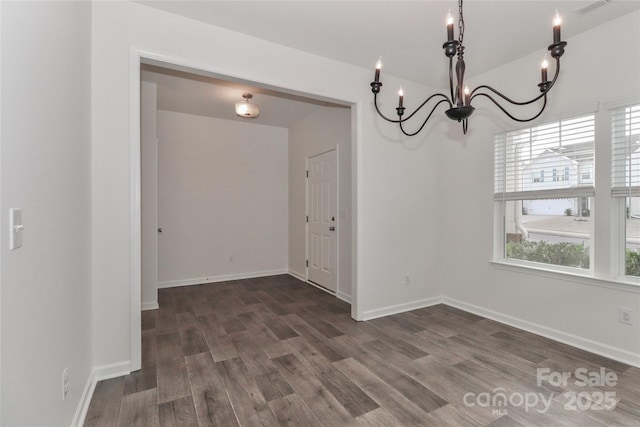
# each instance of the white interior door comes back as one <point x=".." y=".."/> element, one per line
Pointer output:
<point x="322" y="200"/>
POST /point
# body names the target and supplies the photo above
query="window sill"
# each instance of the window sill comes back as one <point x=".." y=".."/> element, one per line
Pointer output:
<point x="626" y="285"/>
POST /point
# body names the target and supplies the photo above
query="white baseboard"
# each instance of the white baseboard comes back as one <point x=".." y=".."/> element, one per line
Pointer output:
<point x="297" y="275"/>
<point x="98" y="373"/>
<point x="344" y="297"/>
<point x="112" y="370"/>
<point x="220" y="278"/>
<point x="605" y="350"/>
<point x="400" y="308"/>
<point x="85" y="401"/>
<point x="152" y="305"/>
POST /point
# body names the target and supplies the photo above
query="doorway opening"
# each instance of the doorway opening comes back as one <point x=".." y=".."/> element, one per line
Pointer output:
<point x="314" y="125"/>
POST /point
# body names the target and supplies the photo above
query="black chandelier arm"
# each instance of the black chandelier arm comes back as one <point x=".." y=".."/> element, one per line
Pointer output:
<point x="510" y="115"/>
<point x="548" y="87"/>
<point x="375" y="102"/>
<point x="453" y="98"/>
<point x="425" y="120"/>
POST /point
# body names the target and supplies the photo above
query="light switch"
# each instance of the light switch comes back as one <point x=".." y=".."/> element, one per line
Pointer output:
<point x="15" y="228"/>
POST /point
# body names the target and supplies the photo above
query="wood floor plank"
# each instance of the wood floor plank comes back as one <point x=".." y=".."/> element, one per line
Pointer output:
<point x="149" y="347"/>
<point x="222" y="348"/>
<point x="353" y="398"/>
<point x="211" y="326"/>
<point x="178" y="413"/>
<point x="166" y="320"/>
<point x="280" y="329"/>
<point x="378" y="418"/>
<point x="139" y="410"/>
<point x="209" y="395"/>
<point x="401" y="408"/>
<point x="387" y="334"/>
<point x="273" y="385"/>
<point x="292" y="411"/>
<point x="181" y="305"/>
<point x="149" y="319"/>
<point x="173" y="380"/>
<point x="449" y="415"/>
<point x="142" y="379"/>
<point x="425" y="398"/>
<point x="193" y="341"/>
<point x="104" y="408"/>
<point x="169" y="346"/>
<point x="187" y="320"/>
<point x="233" y="326"/>
<point x="313" y="339"/>
<point x="505" y="421"/>
<point x="248" y="403"/>
<point x="274" y="351"/>
<point x="325" y="328"/>
<point x="312" y="391"/>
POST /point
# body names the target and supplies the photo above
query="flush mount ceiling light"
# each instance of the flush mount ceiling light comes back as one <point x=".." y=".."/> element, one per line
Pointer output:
<point x="460" y="99"/>
<point x="246" y="108"/>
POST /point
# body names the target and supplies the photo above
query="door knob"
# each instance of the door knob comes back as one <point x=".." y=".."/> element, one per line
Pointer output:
<point x="160" y="230"/>
<point x="332" y="229"/>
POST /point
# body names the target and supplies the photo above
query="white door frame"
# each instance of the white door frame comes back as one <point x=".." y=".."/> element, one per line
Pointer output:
<point x="306" y="228"/>
<point x="136" y="58"/>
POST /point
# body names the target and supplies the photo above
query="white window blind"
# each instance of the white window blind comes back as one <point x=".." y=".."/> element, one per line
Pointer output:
<point x="625" y="138"/>
<point x="525" y="161"/>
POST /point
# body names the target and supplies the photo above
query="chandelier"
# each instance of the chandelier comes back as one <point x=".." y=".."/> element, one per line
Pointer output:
<point x="460" y="98"/>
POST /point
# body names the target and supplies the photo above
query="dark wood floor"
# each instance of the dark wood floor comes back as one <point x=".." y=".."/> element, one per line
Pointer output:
<point x="274" y="351"/>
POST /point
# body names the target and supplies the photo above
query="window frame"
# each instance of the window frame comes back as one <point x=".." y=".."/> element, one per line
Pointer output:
<point x="500" y="205"/>
<point x="619" y="201"/>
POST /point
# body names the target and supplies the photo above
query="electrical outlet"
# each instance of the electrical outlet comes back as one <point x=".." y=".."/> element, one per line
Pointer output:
<point x="625" y="316"/>
<point x="407" y="279"/>
<point x="65" y="383"/>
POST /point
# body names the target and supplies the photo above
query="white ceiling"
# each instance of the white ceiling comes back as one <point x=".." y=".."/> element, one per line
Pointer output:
<point x="190" y="93"/>
<point x="407" y="34"/>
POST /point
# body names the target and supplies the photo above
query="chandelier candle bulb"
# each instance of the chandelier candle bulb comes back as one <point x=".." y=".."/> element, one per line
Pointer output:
<point x="400" y="97"/>
<point x="545" y="65"/>
<point x="556" y="28"/>
<point x="449" y="27"/>
<point x="466" y="95"/>
<point x="378" y="67"/>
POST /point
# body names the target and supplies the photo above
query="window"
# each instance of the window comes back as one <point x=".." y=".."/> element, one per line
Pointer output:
<point x="545" y="222"/>
<point x="585" y="173"/>
<point x="625" y="181"/>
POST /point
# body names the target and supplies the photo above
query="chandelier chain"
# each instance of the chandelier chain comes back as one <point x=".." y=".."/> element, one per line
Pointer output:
<point x="460" y="23"/>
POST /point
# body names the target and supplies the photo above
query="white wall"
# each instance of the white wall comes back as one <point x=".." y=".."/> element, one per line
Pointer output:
<point x="46" y="149"/>
<point x="317" y="133"/>
<point x="595" y="68"/>
<point x="149" y="193"/>
<point x="223" y="199"/>
<point x="395" y="226"/>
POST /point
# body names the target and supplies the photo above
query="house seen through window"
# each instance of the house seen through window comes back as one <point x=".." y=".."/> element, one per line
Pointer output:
<point x="547" y="221"/>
